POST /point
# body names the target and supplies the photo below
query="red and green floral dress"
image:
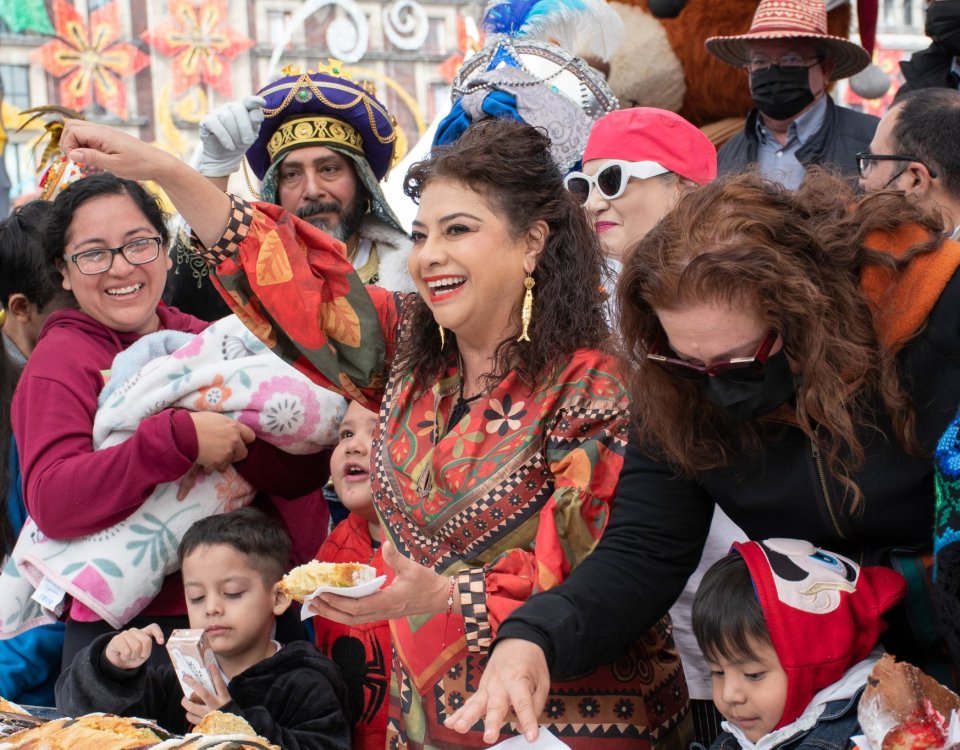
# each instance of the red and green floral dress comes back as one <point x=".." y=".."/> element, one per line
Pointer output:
<point x="509" y="500"/>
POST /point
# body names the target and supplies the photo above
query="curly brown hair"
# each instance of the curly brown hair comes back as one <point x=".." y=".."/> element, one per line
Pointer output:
<point x="796" y="259"/>
<point x="509" y="165"/>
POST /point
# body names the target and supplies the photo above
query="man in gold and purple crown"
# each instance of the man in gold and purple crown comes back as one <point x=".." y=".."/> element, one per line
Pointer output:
<point x="319" y="142"/>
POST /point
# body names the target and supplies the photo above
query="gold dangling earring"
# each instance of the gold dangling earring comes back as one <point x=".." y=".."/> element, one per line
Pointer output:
<point x="443" y="339"/>
<point x="3" y="316"/>
<point x="526" y="313"/>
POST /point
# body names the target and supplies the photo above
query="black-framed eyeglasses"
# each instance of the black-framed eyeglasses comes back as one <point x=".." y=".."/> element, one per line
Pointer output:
<point x="787" y="62"/>
<point x="865" y="157"/>
<point x="137" y="252"/>
<point x="737" y="368"/>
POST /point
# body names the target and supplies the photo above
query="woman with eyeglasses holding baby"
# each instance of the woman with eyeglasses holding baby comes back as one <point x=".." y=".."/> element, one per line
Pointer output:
<point x="793" y="358"/>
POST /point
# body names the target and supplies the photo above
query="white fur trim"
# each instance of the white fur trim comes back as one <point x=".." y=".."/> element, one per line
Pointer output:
<point x="393" y="248"/>
<point x="646" y="72"/>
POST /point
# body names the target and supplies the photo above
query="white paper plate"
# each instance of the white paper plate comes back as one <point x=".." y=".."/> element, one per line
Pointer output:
<point x="353" y="592"/>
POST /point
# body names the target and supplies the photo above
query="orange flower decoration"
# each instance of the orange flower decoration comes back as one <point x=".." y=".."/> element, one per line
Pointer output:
<point x="200" y="42"/>
<point x="90" y="62"/>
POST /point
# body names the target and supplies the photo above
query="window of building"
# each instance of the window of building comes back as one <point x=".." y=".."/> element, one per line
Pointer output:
<point x="21" y="168"/>
<point x="16" y="85"/>
<point x="278" y="23"/>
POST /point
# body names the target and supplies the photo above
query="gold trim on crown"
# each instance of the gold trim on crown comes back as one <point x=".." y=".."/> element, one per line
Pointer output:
<point x="313" y="130"/>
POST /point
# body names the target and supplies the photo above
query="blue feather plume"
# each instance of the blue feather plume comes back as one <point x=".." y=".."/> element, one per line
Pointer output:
<point x="587" y="28"/>
<point x="519" y="17"/>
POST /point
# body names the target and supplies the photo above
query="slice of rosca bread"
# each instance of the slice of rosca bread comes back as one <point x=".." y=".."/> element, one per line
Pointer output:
<point x="305" y="579"/>
<point x="902" y="708"/>
<point x="225" y="724"/>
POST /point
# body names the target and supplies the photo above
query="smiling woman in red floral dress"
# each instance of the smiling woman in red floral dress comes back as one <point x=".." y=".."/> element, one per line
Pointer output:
<point x="502" y="425"/>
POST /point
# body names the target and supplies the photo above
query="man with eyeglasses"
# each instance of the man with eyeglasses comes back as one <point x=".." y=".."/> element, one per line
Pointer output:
<point x="915" y="150"/>
<point x="791" y="59"/>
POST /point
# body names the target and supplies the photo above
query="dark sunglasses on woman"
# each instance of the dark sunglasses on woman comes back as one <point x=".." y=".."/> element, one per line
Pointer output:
<point x="736" y="368"/>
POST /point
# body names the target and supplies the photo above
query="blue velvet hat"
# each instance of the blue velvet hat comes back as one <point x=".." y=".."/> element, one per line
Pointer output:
<point x="321" y="109"/>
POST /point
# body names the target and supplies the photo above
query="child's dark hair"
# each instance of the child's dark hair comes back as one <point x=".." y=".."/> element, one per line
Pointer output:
<point x="250" y="531"/>
<point x="726" y="613"/>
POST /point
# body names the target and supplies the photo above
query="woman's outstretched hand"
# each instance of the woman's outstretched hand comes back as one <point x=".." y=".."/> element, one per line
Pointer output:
<point x="204" y="206"/>
<point x="110" y="149"/>
<point x="516" y="676"/>
<point x="415" y="590"/>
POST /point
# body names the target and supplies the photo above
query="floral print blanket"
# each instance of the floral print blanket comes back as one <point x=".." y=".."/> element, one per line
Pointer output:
<point x="113" y="574"/>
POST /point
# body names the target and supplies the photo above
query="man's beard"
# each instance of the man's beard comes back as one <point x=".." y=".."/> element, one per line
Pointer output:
<point x="347" y="221"/>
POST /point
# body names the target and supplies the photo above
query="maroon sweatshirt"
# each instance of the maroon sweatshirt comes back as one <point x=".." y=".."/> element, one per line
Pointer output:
<point x="71" y="490"/>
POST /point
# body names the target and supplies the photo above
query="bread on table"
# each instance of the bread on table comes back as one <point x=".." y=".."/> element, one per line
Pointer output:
<point x="108" y="732"/>
<point x="90" y="732"/>
<point x="303" y="580"/>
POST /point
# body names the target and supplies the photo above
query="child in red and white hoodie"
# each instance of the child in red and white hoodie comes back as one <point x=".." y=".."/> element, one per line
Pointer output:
<point x="790" y="633"/>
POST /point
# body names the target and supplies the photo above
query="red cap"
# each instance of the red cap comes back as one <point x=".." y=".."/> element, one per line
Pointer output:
<point x="657" y="135"/>
<point x="822" y="611"/>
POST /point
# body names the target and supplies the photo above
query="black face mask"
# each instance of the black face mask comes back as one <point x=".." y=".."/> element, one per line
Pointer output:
<point x="781" y="93"/>
<point x="748" y="399"/>
<point x="943" y="24"/>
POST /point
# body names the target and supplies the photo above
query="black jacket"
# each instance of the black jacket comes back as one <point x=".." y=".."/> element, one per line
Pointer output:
<point x="294" y="699"/>
<point x="927" y="69"/>
<point x="844" y="133"/>
<point x="659" y="522"/>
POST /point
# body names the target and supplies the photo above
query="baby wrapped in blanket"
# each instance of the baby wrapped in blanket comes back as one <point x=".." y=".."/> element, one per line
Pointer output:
<point x="113" y="574"/>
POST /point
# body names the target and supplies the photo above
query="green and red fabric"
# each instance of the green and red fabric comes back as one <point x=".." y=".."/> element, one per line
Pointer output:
<point x="509" y="500"/>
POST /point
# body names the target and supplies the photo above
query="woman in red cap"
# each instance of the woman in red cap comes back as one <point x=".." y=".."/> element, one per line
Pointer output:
<point x="636" y="165"/>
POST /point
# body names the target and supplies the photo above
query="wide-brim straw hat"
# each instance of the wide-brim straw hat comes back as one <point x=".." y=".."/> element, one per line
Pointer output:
<point x="792" y="19"/>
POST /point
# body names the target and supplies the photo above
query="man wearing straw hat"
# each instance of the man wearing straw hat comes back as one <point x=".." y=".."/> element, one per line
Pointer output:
<point x="791" y="60"/>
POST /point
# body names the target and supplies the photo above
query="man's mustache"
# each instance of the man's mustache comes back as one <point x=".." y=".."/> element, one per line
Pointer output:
<point x="323" y="207"/>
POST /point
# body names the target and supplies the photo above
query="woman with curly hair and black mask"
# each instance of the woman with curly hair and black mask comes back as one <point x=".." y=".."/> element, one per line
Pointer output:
<point x="794" y="358"/>
<point x="502" y="423"/>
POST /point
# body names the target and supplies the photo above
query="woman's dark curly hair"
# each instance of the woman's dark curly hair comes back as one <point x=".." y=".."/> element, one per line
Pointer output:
<point x="510" y="166"/>
<point x="796" y="259"/>
<point x="65" y="205"/>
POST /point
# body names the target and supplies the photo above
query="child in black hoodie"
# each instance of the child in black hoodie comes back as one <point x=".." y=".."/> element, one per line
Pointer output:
<point x="232" y="565"/>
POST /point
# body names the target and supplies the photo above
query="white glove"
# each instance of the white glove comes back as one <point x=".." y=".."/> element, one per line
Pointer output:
<point x="227" y="133"/>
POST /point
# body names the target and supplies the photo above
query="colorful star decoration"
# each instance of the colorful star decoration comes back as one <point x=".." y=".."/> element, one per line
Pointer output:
<point x="90" y="62"/>
<point x="200" y="44"/>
